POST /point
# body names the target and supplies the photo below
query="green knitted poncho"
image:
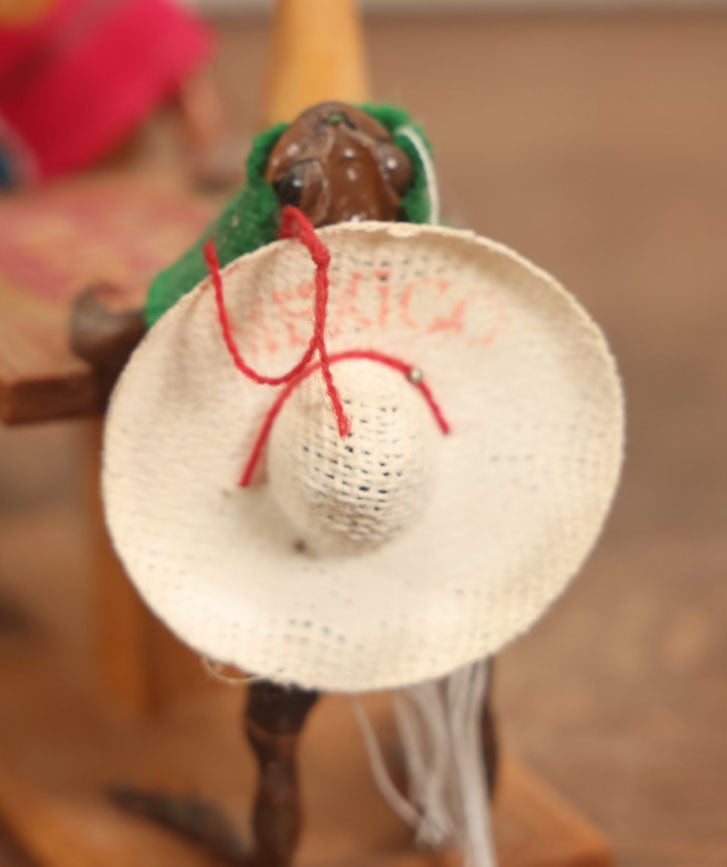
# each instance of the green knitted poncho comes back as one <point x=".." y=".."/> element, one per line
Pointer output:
<point x="250" y="219"/>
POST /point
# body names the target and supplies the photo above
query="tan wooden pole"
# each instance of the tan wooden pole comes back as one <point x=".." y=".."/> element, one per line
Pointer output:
<point x="316" y="53"/>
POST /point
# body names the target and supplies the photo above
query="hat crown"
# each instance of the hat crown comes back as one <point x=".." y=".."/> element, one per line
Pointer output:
<point x="345" y="495"/>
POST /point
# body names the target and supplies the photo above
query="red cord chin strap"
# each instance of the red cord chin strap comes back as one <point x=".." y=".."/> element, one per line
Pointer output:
<point x="294" y="224"/>
<point x="410" y="372"/>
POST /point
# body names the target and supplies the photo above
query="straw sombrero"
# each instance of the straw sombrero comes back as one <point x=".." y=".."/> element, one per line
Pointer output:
<point x="482" y="459"/>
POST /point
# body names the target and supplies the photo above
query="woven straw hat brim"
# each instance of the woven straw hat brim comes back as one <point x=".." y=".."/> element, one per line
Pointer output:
<point x="523" y="482"/>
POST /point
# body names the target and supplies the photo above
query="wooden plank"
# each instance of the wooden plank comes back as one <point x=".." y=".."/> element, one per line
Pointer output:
<point x="58" y="811"/>
<point x="538" y="827"/>
<point x="117" y="226"/>
<point x="40" y="379"/>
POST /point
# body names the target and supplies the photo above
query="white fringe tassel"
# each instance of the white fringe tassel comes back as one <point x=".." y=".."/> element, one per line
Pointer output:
<point x="440" y="728"/>
<point x="429" y="171"/>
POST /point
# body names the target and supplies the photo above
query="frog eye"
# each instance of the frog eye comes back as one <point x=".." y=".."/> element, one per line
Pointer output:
<point x="289" y="188"/>
<point x="395" y="166"/>
<point x="305" y="186"/>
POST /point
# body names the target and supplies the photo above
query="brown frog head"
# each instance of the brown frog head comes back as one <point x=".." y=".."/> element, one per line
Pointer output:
<point x="336" y="162"/>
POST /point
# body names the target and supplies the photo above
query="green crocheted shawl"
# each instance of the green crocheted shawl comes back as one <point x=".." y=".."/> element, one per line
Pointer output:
<point x="250" y="219"/>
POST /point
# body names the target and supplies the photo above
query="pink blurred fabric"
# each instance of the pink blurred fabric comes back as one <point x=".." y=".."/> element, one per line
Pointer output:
<point x="77" y="80"/>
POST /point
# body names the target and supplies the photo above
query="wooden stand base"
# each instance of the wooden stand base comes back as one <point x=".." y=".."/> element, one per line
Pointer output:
<point x="66" y="739"/>
<point x="62" y="747"/>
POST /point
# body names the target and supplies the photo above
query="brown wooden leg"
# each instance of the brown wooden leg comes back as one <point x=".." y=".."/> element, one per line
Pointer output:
<point x="274" y="718"/>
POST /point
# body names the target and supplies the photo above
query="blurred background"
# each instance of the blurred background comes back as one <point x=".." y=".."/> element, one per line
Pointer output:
<point x="592" y="137"/>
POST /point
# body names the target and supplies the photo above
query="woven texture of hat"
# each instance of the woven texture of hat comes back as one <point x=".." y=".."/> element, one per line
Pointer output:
<point x="488" y="524"/>
<point x="355" y="493"/>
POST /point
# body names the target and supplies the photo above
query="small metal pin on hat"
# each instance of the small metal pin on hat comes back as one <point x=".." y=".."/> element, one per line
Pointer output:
<point x="415" y="374"/>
